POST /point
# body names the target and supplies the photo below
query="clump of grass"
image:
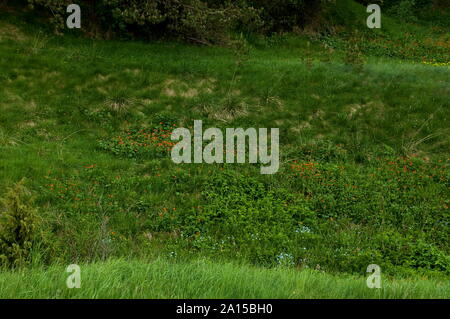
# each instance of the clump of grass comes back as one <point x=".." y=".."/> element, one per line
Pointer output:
<point x="226" y="110"/>
<point x="118" y="105"/>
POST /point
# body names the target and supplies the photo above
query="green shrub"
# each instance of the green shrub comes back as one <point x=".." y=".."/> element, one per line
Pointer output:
<point x="242" y="215"/>
<point x="18" y="224"/>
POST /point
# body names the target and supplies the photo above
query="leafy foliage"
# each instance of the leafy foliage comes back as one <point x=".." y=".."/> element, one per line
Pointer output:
<point x="243" y="215"/>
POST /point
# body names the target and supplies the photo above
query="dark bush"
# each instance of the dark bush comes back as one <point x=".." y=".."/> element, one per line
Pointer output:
<point x="213" y="21"/>
<point x="201" y="21"/>
<point x="192" y="20"/>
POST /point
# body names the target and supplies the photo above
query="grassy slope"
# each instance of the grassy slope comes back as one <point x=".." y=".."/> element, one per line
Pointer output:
<point x="203" y="279"/>
<point x="54" y="89"/>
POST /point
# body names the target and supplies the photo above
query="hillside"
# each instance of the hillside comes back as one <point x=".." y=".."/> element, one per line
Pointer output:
<point x="364" y="155"/>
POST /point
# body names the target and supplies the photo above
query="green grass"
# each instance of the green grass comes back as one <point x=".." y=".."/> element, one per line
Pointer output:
<point x="364" y="155"/>
<point x="204" y="279"/>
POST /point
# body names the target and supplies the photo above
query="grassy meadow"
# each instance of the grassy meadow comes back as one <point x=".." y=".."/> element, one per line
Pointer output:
<point x="363" y="179"/>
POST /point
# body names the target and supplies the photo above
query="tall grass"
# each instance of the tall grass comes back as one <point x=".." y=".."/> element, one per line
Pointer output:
<point x="161" y="278"/>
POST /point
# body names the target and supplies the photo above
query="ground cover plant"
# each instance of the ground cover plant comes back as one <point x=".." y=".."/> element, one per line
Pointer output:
<point x="85" y="166"/>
